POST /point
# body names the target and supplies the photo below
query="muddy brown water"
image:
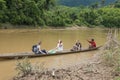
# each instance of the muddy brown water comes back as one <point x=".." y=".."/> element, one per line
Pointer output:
<point x="16" y="41"/>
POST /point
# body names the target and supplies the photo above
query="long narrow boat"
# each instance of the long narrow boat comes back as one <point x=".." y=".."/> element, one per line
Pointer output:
<point x="31" y="54"/>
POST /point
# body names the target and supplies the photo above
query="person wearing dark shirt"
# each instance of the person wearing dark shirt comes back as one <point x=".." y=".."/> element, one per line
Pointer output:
<point x="77" y="46"/>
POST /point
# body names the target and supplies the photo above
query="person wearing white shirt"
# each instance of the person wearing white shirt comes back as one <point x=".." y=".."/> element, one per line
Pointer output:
<point x="59" y="48"/>
<point x="39" y="49"/>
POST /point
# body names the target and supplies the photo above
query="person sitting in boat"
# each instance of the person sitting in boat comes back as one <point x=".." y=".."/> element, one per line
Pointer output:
<point x="59" y="47"/>
<point x="77" y="46"/>
<point x="92" y="43"/>
<point x="37" y="49"/>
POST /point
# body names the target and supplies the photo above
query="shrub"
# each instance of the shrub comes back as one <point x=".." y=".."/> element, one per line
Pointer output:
<point x="24" y="68"/>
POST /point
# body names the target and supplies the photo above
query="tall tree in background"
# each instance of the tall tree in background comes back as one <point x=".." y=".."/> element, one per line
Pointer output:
<point x="95" y="5"/>
<point x="103" y="2"/>
<point x="45" y="5"/>
<point x="26" y="12"/>
<point x="2" y="11"/>
<point x="117" y="4"/>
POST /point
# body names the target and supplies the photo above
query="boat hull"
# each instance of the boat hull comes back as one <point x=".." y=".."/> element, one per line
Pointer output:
<point x="31" y="54"/>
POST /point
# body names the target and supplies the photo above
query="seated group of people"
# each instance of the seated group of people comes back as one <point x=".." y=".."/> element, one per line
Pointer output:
<point x="78" y="46"/>
<point x="37" y="48"/>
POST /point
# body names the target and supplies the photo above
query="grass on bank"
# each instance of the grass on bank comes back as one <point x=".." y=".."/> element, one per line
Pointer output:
<point x="25" y="67"/>
<point x="111" y="53"/>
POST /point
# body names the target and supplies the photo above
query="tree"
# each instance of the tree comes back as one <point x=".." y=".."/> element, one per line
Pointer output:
<point x="102" y="2"/>
<point x="117" y="4"/>
<point x="26" y="12"/>
<point x="2" y="11"/>
<point x="95" y="5"/>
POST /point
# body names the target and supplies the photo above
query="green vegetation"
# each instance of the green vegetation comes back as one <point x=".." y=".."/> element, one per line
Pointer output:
<point x="111" y="53"/>
<point x="25" y="68"/>
<point x="117" y="78"/>
<point x="46" y="13"/>
<point x="84" y="2"/>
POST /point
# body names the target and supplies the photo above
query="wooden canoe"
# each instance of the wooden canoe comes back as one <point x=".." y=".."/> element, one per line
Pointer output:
<point x="31" y="54"/>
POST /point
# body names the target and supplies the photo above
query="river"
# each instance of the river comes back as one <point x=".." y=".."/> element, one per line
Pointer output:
<point x="21" y="40"/>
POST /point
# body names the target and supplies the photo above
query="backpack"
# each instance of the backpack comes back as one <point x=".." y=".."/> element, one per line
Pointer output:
<point x="34" y="48"/>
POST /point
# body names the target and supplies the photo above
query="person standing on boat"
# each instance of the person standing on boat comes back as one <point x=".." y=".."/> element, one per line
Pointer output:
<point x="37" y="49"/>
<point x="59" y="47"/>
<point x="77" y="46"/>
<point x="92" y="43"/>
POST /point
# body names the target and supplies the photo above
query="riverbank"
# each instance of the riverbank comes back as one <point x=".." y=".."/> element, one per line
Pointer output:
<point x="91" y="69"/>
<point x="71" y="27"/>
<point x="24" y="28"/>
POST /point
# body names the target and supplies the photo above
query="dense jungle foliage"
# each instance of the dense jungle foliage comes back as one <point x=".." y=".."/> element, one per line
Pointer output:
<point x="50" y="13"/>
<point x="84" y="2"/>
